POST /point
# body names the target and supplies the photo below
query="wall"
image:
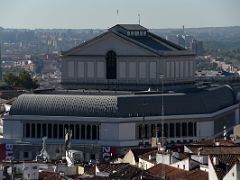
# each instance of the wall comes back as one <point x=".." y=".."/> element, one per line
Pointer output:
<point x="144" y="164"/>
<point x="233" y="174"/>
<point x="12" y="129"/>
<point x="205" y="129"/>
<point x="163" y="158"/>
<point x="211" y="171"/>
<point x="118" y="134"/>
<point x="129" y="158"/>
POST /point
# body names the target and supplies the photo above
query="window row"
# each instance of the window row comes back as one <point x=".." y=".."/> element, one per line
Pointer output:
<point x="169" y="130"/>
<point x="57" y="131"/>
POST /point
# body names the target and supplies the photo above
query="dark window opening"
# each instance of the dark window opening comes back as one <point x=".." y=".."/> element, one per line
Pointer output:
<point x="77" y="132"/>
<point x="94" y="133"/>
<point x="178" y="129"/>
<point x="190" y="129"/>
<point x="88" y="132"/>
<point x="146" y="130"/>
<point x="25" y="154"/>
<point x="184" y="129"/>
<point x="111" y="65"/>
<point x="98" y="132"/>
<point x="159" y="127"/>
<point x="139" y="131"/>
<point x="55" y="130"/>
<point x="195" y="129"/>
<point x="165" y="130"/>
<point x="49" y="130"/>
<point x="33" y="131"/>
<point x="44" y="130"/>
<point x="172" y="132"/>
<point x="61" y="131"/>
<point x="83" y="132"/>
<point x="153" y="130"/>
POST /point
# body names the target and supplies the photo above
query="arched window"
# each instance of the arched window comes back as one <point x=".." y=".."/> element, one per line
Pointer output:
<point x="111" y="65"/>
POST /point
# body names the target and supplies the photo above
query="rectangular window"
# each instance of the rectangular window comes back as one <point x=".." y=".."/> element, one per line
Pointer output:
<point x="132" y="70"/>
<point x="184" y="129"/>
<point x="44" y="130"/>
<point x="100" y="70"/>
<point x="172" y="130"/>
<point x="33" y="131"/>
<point x="142" y="70"/>
<point x="153" y="70"/>
<point x="178" y="129"/>
<point x="26" y="154"/>
<point x="39" y="131"/>
<point x="61" y="131"/>
<point x="90" y="69"/>
<point x="49" y="130"/>
<point x="190" y="129"/>
<point x="122" y="70"/>
<point x="81" y="69"/>
<point x="70" y="69"/>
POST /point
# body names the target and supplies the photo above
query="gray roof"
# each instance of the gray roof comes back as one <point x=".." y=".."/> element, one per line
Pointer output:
<point x="200" y="102"/>
<point x="152" y="42"/>
<point x="132" y="27"/>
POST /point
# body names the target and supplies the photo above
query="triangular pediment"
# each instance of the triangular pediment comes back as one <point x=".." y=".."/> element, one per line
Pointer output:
<point x="110" y="41"/>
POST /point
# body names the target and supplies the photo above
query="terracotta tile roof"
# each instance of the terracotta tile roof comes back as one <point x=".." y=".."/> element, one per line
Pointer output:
<point x="140" y="151"/>
<point x="150" y="153"/>
<point x="127" y="173"/>
<point x="208" y="150"/>
<point x="173" y="173"/>
<point x="224" y="164"/>
<point x="49" y="175"/>
<point x="212" y="142"/>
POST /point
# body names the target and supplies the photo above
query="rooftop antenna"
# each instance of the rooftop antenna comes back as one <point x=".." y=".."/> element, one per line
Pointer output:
<point x="139" y="18"/>
<point x="117" y="16"/>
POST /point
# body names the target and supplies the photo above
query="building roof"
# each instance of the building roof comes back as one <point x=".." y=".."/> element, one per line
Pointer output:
<point x="132" y="105"/>
<point x="131" y="27"/>
<point x="219" y="150"/>
<point x="173" y="173"/>
<point x="151" y="42"/>
<point x="224" y="164"/>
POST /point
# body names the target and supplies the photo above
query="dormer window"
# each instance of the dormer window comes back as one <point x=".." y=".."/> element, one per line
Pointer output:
<point x="136" y="33"/>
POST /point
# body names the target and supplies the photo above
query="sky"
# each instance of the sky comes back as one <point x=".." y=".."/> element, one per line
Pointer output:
<point x="85" y="14"/>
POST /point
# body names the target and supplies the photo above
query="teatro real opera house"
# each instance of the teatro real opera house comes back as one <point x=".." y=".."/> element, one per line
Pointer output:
<point x="118" y="67"/>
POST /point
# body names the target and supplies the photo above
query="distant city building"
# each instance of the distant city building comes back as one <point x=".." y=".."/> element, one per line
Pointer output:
<point x="127" y="57"/>
<point x="197" y="47"/>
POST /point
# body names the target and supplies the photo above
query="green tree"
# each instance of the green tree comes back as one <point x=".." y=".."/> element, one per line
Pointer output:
<point x="23" y="80"/>
<point x="11" y="79"/>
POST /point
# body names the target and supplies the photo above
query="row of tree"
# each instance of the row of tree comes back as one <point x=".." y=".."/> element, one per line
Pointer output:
<point x="22" y="80"/>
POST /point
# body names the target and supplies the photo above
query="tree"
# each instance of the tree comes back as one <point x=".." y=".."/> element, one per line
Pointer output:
<point x="23" y="80"/>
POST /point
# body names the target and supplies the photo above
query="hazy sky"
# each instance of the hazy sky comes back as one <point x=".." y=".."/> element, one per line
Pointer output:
<point x="74" y="14"/>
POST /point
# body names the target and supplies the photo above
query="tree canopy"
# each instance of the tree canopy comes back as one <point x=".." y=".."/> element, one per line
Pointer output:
<point x="23" y="80"/>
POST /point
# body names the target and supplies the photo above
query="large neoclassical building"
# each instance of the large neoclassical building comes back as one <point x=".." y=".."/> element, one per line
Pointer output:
<point x="120" y="120"/>
<point x="127" y="57"/>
